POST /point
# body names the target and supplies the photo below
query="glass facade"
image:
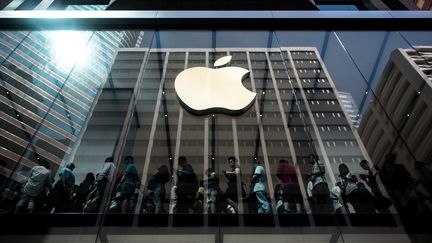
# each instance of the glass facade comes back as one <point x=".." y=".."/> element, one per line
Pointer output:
<point x="335" y="146"/>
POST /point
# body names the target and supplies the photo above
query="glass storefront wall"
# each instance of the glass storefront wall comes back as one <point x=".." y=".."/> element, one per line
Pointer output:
<point x="325" y="101"/>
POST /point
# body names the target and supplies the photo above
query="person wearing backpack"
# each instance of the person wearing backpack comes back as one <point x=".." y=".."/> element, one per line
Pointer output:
<point x="318" y="191"/>
<point x="156" y="188"/>
<point x="355" y="192"/>
<point x="84" y="189"/>
<point x="259" y="179"/>
<point x="128" y="184"/>
<point x="187" y="186"/>
<point x="382" y="203"/>
<point x="60" y="197"/>
<point x="233" y="176"/>
<point x="38" y="182"/>
<point x="103" y="177"/>
<point x="291" y="194"/>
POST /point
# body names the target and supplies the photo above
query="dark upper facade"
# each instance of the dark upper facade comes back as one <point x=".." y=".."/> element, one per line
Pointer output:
<point x="217" y="5"/>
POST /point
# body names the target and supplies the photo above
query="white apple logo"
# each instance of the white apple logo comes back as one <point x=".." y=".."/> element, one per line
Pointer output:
<point x="204" y="90"/>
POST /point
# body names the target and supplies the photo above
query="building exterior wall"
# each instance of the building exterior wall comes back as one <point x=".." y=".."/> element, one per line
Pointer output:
<point x="423" y="4"/>
<point x="404" y="93"/>
<point x="297" y="112"/>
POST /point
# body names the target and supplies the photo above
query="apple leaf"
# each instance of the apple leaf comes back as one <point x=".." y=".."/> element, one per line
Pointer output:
<point x="223" y="61"/>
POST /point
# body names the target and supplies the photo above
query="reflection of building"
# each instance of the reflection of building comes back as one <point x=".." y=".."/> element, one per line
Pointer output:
<point x="403" y="106"/>
<point x="350" y="106"/>
<point x="297" y="112"/>
<point x="48" y="84"/>
<point x="423" y="4"/>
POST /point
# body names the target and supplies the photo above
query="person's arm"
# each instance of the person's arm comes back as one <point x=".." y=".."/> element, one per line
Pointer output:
<point x="105" y="170"/>
<point x="236" y="171"/>
<point x="254" y="178"/>
<point x="184" y="171"/>
<point x="256" y="174"/>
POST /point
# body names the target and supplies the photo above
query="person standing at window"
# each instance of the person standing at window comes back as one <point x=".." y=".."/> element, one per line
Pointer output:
<point x="39" y="181"/>
<point x="187" y="186"/>
<point x="291" y="194"/>
<point x="318" y="192"/>
<point x="128" y="184"/>
<point x="260" y="183"/>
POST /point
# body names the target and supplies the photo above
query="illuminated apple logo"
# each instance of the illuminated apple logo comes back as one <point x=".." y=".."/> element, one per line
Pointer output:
<point x="204" y="90"/>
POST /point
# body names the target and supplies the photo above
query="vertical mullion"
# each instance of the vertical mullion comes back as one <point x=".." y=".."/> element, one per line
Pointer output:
<point x="150" y="145"/>
<point x="289" y="140"/>
<point x="263" y="144"/>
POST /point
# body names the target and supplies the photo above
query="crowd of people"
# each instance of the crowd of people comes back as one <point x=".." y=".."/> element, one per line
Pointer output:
<point x="352" y="193"/>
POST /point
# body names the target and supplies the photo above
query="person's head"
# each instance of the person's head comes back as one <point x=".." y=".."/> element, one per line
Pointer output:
<point x="3" y="163"/>
<point x="343" y="169"/>
<point x="312" y="158"/>
<point x="163" y="169"/>
<point x="278" y="190"/>
<point x="283" y="161"/>
<point x="257" y="163"/>
<point x="364" y="164"/>
<point x="70" y="166"/>
<point x="44" y="163"/>
<point x="163" y="173"/>
<point x="390" y="159"/>
<point x="90" y="177"/>
<point x="109" y="160"/>
<point x="211" y="172"/>
<point x="232" y="161"/>
<point x="129" y="159"/>
<point x="182" y="160"/>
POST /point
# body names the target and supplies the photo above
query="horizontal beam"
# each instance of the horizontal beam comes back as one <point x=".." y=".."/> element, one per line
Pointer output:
<point x="212" y="5"/>
<point x="289" y="20"/>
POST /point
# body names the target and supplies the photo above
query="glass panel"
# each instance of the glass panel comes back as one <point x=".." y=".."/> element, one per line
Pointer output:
<point x="388" y="124"/>
<point x="308" y="148"/>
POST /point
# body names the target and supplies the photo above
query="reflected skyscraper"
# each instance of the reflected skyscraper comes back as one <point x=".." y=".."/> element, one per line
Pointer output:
<point x="49" y="83"/>
<point x="423" y="4"/>
<point x="399" y="119"/>
<point x="298" y="111"/>
<point x="351" y="108"/>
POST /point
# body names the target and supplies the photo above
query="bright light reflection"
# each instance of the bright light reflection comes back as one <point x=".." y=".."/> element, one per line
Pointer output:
<point x="68" y="47"/>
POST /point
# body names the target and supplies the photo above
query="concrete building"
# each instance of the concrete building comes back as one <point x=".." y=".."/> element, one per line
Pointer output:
<point x="423" y="4"/>
<point x="399" y="118"/>
<point x="351" y="108"/>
